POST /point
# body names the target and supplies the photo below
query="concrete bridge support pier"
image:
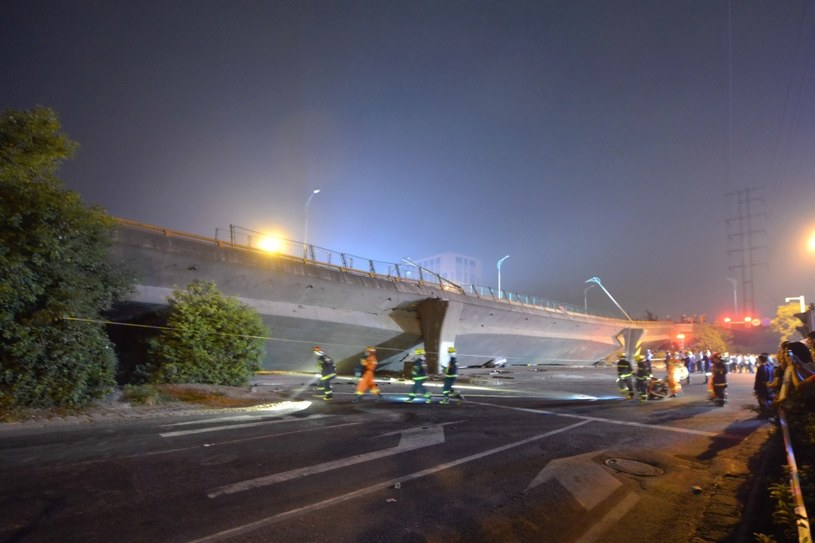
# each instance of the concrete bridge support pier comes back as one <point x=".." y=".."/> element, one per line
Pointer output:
<point x="630" y="340"/>
<point x="439" y="319"/>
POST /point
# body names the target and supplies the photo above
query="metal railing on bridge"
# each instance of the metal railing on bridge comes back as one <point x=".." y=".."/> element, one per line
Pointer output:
<point x="238" y="237"/>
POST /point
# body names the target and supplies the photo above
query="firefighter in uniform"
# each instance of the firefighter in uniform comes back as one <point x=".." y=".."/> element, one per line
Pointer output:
<point x="328" y="371"/>
<point x="625" y="374"/>
<point x="674" y="373"/>
<point x="644" y="375"/>
<point x="419" y="376"/>
<point x="719" y="379"/>
<point x="450" y="375"/>
<point x="366" y="382"/>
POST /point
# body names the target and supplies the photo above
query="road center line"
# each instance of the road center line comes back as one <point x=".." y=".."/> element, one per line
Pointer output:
<point x="613" y="421"/>
<point x="375" y="488"/>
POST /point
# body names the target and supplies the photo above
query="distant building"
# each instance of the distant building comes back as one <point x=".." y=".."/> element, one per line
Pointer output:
<point x="455" y="267"/>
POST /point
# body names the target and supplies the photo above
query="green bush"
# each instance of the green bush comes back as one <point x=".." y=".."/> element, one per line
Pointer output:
<point x="53" y="268"/>
<point x="141" y="394"/>
<point x="210" y="338"/>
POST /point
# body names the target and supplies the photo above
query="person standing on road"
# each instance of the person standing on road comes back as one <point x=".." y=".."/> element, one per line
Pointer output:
<point x="761" y="387"/>
<point x="644" y="375"/>
<point x="625" y="374"/>
<point x="328" y="371"/>
<point x="419" y="376"/>
<point x="366" y="382"/>
<point x="673" y="375"/>
<point x="719" y="379"/>
<point x="450" y="376"/>
<point x="686" y="359"/>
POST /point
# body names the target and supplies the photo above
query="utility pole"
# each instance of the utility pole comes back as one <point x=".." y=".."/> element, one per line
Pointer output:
<point x="741" y="238"/>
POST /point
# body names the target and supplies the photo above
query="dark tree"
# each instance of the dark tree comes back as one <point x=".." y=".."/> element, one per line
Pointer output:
<point x="55" y="275"/>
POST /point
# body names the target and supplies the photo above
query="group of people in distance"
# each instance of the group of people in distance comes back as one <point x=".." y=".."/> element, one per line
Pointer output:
<point x="774" y="379"/>
<point x="676" y="370"/>
<point x="366" y="383"/>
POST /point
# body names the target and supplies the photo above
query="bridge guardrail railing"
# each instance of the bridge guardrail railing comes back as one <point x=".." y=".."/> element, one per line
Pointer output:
<point x="238" y="237"/>
<point x="802" y="520"/>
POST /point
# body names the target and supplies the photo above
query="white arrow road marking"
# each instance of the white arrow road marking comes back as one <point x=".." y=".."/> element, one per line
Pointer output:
<point x="244" y="425"/>
<point x="412" y="438"/>
<point x="587" y="481"/>
<point x="599" y="530"/>
<point x="252" y="526"/>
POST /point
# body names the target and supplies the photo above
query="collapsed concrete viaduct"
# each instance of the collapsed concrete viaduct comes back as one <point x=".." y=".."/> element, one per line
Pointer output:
<point x="305" y="302"/>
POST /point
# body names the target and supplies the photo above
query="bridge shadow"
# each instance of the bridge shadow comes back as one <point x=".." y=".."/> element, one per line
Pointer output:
<point x="734" y="434"/>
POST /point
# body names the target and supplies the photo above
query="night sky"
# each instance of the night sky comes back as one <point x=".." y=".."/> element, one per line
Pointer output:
<point x="582" y="137"/>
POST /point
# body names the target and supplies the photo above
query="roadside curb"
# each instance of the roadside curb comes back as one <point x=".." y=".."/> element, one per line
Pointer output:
<point x="724" y="517"/>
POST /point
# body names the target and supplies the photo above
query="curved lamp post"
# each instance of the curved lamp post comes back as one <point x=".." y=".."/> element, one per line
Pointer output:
<point x="585" y="297"/>
<point x="596" y="281"/>
<point x="500" y="292"/>
<point x="305" y="229"/>
<point x="800" y="299"/>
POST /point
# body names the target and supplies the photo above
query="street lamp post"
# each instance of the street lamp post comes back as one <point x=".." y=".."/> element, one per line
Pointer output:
<point x="585" y="297"/>
<point x="800" y="301"/>
<point x="596" y="281"/>
<point x="305" y="229"/>
<point x="735" y="299"/>
<point x="500" y="292"/>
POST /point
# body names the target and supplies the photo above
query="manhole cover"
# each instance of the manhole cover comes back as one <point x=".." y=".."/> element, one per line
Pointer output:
<point x="634" y="467"/>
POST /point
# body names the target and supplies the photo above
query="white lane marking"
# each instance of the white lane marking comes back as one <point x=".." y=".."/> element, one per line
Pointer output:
<point x="613" y="421"/>
<point x="375" y="488"/>
<point x="278" y="409"/>
<point x="601" y="528"/>
<point x="217" y="419"/>
<point x="216" y="444"/>
<point x="244" y="425"/>
<point x="412" y="439"/>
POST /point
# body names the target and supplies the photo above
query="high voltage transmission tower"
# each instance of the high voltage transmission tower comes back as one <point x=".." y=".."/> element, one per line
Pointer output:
<point x="741" y="240"/>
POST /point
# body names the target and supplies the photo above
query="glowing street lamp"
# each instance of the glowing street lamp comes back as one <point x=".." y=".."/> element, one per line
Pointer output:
<point x="305" y="230"/>
<point x="269" y="244"/>
<point x="500" y="292"/>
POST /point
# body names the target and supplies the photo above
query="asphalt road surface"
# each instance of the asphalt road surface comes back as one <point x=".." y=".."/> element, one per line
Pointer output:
<point x="531" y="454"/>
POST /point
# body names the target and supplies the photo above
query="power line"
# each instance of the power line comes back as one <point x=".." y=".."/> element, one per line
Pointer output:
<point x="744" y="248"/>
